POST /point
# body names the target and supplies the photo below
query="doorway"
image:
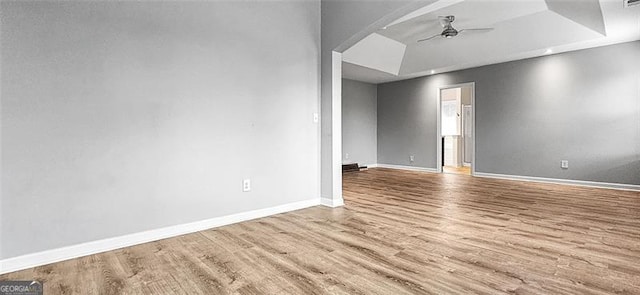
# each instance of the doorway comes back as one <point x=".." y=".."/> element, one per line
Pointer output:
<point x="456" y="129"/>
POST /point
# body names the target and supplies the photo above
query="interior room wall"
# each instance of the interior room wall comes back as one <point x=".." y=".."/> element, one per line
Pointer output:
<point x="121" y="117"/>
<point x="359" y="122"/>
<point x="581" y="106"/>
<point x="407" y="123"/>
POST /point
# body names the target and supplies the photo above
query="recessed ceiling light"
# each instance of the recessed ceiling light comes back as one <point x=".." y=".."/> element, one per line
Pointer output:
<point x="433" y="71"/>
<point x="549" y="51"/>
<point x="384" y="28"/>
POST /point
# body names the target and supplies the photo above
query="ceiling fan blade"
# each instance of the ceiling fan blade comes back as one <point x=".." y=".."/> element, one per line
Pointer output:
<point x="427" y="39"/>
<point x="476" y="30"/>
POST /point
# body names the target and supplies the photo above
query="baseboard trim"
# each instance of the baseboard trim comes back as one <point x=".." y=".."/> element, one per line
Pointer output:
<point x="333" y="203"/>
<point x="618" y="186"/>
<point x="56" y="255"/>
<point x="410" y="168"/>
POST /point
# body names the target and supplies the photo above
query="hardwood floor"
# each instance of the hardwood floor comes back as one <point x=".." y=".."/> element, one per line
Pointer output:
<point x="457" y="170"/>
<point x="400" y="232"/>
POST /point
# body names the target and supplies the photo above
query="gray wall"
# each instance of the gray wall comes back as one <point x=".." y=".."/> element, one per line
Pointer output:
<point x="582" y="106"/>
<point x="120" y="117"/>
<point x="407" y="123"/>
<point x="359" y="122"/>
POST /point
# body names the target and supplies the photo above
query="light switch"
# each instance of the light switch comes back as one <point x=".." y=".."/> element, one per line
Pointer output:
<point x="246" y="185"/>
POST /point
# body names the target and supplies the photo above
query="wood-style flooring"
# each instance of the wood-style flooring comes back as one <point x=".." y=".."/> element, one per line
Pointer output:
<point x="400" y="232"/>
<point x="457" y="170"/>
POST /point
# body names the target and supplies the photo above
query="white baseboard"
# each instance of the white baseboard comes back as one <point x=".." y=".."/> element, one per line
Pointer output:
<point x="333" y="203"/>
<point x="620" y="186"/>
<point x="89" y="248"/>
<point x="411" y="168"/>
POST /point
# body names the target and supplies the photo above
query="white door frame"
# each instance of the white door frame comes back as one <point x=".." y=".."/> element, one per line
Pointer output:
<point x="439" y="124"/>
<point x="464" y="130"/>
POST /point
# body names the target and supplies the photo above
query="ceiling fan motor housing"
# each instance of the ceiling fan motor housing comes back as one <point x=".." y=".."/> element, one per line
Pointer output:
<point x="449" y="32"/>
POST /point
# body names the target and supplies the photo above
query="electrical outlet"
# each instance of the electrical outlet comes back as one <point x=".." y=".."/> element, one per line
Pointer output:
<point x="564" y="164"/>
<point x="246" y="185"/>
<point x="346" y="156"/>
<point x="411" y="158"/>
<point x="315" y="118"/>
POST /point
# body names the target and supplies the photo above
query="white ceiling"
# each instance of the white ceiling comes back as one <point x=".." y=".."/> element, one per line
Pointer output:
<point x="522" y="29"/>
<point x="366" y="52"/>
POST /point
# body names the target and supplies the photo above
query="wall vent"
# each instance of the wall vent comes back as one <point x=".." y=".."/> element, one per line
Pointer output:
<point x="629" y="3"/>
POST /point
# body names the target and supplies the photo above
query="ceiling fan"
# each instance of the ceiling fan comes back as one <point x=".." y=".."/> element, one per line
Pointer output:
<point x="449" y="31"/>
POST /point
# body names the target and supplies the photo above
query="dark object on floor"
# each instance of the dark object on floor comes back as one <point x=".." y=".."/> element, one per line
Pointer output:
<point x="350" y="167"/>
